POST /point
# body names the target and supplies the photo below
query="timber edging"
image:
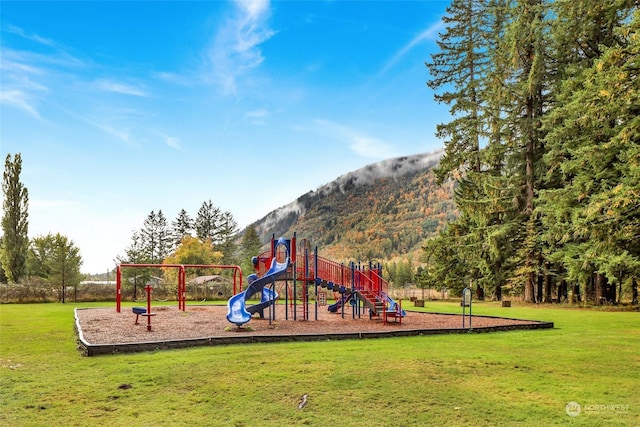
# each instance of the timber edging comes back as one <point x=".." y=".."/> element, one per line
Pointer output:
<point x="88" y="349"/>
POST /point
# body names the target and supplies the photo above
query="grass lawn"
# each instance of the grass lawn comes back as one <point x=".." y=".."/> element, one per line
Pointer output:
<point x="522" y="378"/>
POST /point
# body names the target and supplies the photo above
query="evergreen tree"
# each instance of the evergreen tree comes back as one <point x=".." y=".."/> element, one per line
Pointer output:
<point x="135" y="253"/>
<point x="527" y="36"/>
<point x="443" y="257"/>
<point x="404" y="273"/>
<point x="56" y="260"/>
<point x="423" y="279"/>
<point x="457" y="69"/>
<point x="591" y="220"/>
<point x="156" y="237"/>
<point x="250" y="246"/>
<point x="181" y="227"/>
<point x="474" y="61"/>
<point x="207" y="223"/>
<point x="537" y="209"/>
<point x="227" y="232"/>
<point x="15" y="221"/>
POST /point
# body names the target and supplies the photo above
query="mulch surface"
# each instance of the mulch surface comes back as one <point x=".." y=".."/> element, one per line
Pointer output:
<point x="104" y="331"/>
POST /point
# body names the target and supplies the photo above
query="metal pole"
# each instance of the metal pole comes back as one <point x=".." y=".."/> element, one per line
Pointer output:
<point x="148" y="313"/>
<point x="118" y="288"/>
<point x="315" y="276"/>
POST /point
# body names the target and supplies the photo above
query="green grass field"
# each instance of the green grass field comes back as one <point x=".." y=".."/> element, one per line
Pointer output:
<point x="522" y="378"/>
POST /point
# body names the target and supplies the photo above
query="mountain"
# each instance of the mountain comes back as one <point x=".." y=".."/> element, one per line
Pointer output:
<point x="380" y="212"/>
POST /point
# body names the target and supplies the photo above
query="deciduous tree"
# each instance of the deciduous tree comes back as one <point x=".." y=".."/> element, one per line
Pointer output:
<point x="57" y="260"/>
<point x="191" y="251"/>
<point x="15" y="220"/>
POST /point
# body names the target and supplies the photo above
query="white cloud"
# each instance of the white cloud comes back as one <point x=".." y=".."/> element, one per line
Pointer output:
<point x="359" y="142"/>
<point x="366" y="146"/>
<point x="427" y="34"/>
<point x="27" y="76"/>
<point x="173" y="142"/>
<point x="18" y="99"/>
<point x="117" y="87"/>
<point x="236" y="46"/>
<point x="33" y="37"/>
<point x="123" y="135"/>
<point x="257" y="117"/>
<point x="12" y="62"/>
<point x="175" y="78"/>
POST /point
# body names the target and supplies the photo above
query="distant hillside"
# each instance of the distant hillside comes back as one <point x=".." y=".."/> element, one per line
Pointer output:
<point x="382" y="211"/>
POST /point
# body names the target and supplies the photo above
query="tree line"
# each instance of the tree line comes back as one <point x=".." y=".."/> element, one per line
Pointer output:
<point x="543" y="143"/>
<point x="211" y="237"/>
<point x="52" y="259"/>
<point x="215" y="231"/>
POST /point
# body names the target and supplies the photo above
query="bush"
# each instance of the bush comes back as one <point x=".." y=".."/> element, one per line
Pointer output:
<point x="21" y="293"/>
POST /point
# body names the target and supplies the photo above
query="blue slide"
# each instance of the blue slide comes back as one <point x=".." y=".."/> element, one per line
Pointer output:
<point x="237" y="311"/>
<point x="393" y="306"/>
<point x="343" y="300"/>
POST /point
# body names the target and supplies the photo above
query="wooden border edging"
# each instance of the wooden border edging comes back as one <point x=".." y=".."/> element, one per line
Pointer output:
<point x="100" y="349"/>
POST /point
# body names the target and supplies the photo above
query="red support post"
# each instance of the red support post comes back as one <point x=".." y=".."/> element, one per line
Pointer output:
<point x="182" y="279"/>
<point x="118" y="289"/>
<point x="148" y="313"/>
<point x="182" y="289"/>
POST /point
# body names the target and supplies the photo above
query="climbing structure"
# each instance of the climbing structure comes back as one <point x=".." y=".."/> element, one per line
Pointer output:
<point x="308" y="272"/>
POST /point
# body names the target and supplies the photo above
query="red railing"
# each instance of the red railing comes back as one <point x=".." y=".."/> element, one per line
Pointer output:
<point x="310" y="267"/>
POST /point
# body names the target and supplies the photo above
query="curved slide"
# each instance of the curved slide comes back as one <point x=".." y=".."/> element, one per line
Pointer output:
<point x="343" y="300"/>
<point x="237" y="311"/>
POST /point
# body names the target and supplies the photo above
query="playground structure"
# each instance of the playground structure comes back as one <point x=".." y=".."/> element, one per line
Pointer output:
<point x="145" y="312"/>
<point x="182" y="281"/>
<point x="302" y="274"/>
<point x="238" y="311"/>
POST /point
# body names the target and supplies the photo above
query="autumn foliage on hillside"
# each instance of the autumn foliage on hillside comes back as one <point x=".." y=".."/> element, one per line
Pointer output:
<point x="380" y="220"/>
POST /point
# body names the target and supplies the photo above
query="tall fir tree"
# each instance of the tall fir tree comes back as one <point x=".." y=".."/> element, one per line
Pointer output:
<point x="181" y="227"/>
<point x="456" y="77"/>
<point x="527" y="36"/>
<point x="473" y="61"/>
<point x="207" y="222"/>
<point x="250" y="246"/>
<point x="135" y="254"/>
<point x="156" y="237"/>
<point x="228" y="229"/>
<point x="591" y="213"/>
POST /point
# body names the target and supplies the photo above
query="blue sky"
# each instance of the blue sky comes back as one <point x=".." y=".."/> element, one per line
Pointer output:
<point x="120" y="108"/>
